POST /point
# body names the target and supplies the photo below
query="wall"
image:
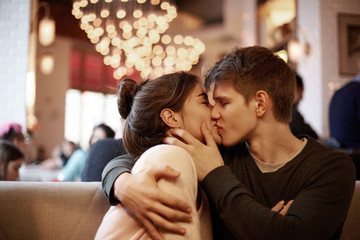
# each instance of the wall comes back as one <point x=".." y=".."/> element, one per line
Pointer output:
<point x="15" y="22"/>
<point x="320" y="69"/>
<point x="50" y="95"/>
<point x="309" y="67"/>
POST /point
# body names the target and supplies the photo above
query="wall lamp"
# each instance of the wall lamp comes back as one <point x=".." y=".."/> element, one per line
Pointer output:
<point x="46" y="26"/>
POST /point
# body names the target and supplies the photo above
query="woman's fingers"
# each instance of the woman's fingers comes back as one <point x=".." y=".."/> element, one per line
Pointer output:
<point x="209" y="138"/>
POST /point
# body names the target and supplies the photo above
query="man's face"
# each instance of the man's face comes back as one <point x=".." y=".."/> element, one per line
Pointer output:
<point x="235" y="119"/>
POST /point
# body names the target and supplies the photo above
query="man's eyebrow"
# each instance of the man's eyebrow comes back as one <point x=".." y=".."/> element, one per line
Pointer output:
<point x="219" y="98"/>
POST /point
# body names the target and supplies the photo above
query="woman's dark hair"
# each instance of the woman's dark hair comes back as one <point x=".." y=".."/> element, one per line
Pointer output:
<point x="11" y="131"/>
<point x="108" y="131"/>
<point x="8" y="152"/>
<point x="141" y="105"/>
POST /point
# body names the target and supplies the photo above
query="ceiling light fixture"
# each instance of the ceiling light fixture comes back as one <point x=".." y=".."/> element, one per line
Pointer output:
<point x="131" y="34"/>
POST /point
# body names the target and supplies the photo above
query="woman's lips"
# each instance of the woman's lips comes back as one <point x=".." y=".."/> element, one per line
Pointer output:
<point x="219" y="129"/>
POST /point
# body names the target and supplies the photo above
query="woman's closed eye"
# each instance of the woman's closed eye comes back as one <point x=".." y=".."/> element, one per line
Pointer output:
<point x="206" y="103"/>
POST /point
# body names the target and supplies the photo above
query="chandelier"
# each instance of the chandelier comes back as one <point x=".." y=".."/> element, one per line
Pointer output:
<point x="132" y="34"/>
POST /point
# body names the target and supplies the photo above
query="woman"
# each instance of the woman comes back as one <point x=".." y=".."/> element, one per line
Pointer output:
<point x="75" y="165"/>
<point x="151" y="109"/>
<point x="11" y="159"/>
<point x="13" y="132"/>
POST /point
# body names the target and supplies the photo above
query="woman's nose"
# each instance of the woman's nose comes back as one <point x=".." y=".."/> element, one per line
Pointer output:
<point x="215" y="115"/>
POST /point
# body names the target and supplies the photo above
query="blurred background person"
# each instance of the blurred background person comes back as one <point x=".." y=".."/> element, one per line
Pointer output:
<point x="73" y="169"/>
<point x="60" y="158"/>
<point x="344" y="113"/>
<point x="11" y="159"/>
<point x="298" y="126"/>
<point x="102" y="152"/>
<point x="12" y="132"/>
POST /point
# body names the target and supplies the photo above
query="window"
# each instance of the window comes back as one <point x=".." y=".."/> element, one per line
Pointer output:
<point x="84" y="110"/>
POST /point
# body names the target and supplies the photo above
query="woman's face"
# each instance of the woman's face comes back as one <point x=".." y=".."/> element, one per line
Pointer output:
<point x="195" y="112"/>
<point x="12" y="171"/>
<point x="98" y="134"/>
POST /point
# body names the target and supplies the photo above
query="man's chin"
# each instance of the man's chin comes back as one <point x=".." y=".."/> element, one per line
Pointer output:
<point x="227" y="143"/>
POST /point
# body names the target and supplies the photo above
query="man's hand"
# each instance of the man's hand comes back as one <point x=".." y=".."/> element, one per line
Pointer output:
<point x="281" y="208"/>
<point x="206" y="156"/>
<point x="152" y="207"/>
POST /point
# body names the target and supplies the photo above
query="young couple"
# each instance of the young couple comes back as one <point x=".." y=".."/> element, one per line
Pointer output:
<point x="262" y="183"/>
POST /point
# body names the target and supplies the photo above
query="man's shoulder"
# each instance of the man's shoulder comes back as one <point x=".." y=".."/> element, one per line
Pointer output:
<point x="321" y="156"/>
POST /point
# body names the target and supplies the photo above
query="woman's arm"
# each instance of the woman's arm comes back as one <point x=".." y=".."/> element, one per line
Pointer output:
<point x="184" y="187"/>
<point x="139" y="193"/>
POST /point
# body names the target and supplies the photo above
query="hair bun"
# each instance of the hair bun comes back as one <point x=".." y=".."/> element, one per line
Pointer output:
<point x="126" y="92"/>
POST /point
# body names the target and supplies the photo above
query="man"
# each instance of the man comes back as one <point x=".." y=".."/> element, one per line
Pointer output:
<point x="253" y="91"/>
<point x="344" y="113"/>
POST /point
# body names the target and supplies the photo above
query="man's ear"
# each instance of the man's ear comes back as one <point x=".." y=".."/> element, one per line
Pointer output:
<point x="262" y="102"/>
<point x="170" y="118"/>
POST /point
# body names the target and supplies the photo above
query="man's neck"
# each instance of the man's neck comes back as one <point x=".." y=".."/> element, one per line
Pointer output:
<point x="274" y="144"/>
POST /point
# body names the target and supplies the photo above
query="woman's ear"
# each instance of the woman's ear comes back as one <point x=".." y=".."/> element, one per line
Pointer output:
<point x="262" y="102"/>
<point x="170" y="118"/>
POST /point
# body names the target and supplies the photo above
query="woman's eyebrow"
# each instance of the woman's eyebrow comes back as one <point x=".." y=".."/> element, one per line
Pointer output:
<point x="203" y="94"/>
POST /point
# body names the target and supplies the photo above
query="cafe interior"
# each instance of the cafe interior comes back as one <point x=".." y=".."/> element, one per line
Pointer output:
<point x="59" y="74"/>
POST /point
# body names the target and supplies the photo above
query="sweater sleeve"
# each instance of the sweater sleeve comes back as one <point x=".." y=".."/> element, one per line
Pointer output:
<point x="318" y="211"/>
<point x="118" y="223"/>
<point x="112" y="170"/>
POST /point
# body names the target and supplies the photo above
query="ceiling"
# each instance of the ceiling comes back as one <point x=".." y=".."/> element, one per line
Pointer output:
<point x="67" y="25"/>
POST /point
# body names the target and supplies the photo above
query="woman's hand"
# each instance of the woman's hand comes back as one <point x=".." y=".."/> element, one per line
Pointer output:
<point x="151" y="206"/>
<point x="206" y="156"/>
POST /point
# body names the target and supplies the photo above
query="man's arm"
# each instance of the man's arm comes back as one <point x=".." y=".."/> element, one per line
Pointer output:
<point x="318" y="211"/>
<point x="111" y="172"/>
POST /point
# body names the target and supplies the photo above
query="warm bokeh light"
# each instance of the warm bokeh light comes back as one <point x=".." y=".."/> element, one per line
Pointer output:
<point x="130" y="37"/>
<point x="47" y="63"/>
<point x="46" y="31"/>
<point x="283" y="55"/>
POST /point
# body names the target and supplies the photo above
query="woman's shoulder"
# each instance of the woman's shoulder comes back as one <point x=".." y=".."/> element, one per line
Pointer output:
<point x="163" y="154"/>
<point x="166" y="150"/>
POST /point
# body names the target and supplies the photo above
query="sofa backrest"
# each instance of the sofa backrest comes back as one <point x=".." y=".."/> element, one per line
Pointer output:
<point x="351" y="230"/>
<point x="74" y="210"/>
<point x="51" y="210"/>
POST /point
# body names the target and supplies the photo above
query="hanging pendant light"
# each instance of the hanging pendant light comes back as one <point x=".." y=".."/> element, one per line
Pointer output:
<point x="46" y="26"/>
